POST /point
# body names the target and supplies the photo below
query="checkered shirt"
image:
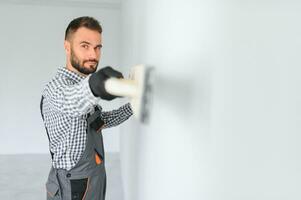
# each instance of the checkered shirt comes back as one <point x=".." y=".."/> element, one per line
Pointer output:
<point x="67" y="102"/>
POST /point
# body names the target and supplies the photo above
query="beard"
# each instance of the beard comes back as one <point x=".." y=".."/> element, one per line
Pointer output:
<point x="80" y="65"/>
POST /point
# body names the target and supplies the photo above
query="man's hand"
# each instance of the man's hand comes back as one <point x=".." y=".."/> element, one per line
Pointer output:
<point x="98" y="79"/>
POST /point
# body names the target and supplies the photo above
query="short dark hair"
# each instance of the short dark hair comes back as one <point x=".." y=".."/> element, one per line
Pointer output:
<point x="85" y="21"/>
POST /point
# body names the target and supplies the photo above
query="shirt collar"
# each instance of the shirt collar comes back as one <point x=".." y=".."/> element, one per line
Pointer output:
<point x="70" y="74"/>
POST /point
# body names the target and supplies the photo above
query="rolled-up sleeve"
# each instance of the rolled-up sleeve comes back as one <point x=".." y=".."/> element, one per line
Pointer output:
<point x="116" y="117"/>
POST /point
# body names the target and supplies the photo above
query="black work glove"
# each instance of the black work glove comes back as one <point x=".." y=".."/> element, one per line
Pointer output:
<point x="97" y="80"/>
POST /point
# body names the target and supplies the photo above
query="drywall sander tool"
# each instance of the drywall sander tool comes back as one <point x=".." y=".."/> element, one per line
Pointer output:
<point x="138" y="88"/>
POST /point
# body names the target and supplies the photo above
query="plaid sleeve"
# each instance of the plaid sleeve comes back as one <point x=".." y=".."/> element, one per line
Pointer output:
<point x="70" y="99"/>
<point x="116" y="117"/>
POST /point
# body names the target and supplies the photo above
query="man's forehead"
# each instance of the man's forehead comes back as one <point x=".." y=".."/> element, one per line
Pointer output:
<point x="87" y="35"/>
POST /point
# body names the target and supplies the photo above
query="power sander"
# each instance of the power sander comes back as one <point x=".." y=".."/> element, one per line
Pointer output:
<point x="138" y="88"/>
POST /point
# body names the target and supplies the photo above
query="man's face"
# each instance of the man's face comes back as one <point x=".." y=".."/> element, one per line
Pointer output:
<point x="85" y="50"/>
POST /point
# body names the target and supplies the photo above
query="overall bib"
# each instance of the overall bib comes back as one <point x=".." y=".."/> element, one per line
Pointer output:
<point x="87" y="179"/>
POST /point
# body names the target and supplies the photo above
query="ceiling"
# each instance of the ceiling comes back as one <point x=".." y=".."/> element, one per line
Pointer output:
<point x="115" y="4"/>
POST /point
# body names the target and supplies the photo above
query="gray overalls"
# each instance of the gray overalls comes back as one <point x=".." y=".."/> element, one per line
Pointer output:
<point x="87" y="179"/>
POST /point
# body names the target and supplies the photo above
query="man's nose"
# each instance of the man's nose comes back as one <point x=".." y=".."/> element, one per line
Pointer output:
<point x="93" y="54"/>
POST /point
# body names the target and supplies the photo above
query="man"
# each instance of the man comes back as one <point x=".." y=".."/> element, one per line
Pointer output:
<point x="73" y="119"/>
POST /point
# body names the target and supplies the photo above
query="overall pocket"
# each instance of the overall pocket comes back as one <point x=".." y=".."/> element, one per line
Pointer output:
<point x="79" y="188"/>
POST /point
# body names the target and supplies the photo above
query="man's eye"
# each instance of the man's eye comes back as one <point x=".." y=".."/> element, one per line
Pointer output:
<point x="85" y="46"/>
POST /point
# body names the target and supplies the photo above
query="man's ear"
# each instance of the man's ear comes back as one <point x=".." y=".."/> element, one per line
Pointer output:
<point x="67" y="47"/>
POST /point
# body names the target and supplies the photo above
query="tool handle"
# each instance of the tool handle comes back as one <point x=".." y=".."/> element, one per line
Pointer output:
<point x="121" y="87"/>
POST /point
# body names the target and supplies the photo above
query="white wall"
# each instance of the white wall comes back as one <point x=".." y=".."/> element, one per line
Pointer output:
<point x="31" y="39"/>
<point x="226" y="113"/>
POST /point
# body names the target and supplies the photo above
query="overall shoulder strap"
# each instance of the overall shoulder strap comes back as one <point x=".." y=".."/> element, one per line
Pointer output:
<point x="41" y="109"/>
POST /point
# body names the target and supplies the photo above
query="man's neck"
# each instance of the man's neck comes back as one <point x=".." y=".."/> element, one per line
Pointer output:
<point x="71" y="68"/>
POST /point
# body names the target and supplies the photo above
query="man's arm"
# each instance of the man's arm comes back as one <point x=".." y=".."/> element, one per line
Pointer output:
<point x="116" y="117"/>
<point x="76" y="100"/>
<point x="72" y="100"/>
